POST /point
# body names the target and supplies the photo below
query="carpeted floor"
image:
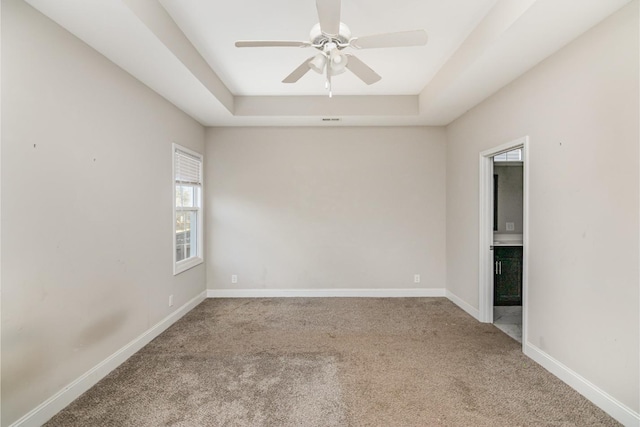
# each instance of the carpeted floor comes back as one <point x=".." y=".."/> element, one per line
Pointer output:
<point x="331" y="362"/>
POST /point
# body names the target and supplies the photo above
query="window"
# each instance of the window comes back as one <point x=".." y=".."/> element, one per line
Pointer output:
<point x="509" y="156"/>
<point x="187" y="191"/>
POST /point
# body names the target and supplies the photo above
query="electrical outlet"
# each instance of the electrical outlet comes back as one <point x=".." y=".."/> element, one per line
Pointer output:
<point x="416" y="278"/>
<point x="234" y="278"/>
<point x="170" y="300"/>
<point x="511" y="226"/>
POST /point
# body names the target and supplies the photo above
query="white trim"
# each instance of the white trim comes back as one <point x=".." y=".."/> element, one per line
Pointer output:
<point x="622" y="413"/>
<point x="43" y="412"/>
<point x="185" y="264"/>
<point x="198" y="258"/>
<point x="471" y="310"/>
<point x="325" y="293"/>
<point x="485" y="209"/>
<point x="485" y="268"/>
<point x="526" y="171"/>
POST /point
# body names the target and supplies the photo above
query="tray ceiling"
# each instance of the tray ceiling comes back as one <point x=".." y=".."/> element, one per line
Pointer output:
<point x="184" y="50"/>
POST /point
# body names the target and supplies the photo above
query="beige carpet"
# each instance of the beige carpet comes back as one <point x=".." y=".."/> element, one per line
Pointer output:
<point x="330" y="362"/>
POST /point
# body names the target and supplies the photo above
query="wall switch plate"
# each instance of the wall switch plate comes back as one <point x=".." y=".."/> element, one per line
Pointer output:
<point x="511" y="226"/>
<point x="234" y="278"/>
<point x="416" y="278"/>
<point x="170" y="300"/>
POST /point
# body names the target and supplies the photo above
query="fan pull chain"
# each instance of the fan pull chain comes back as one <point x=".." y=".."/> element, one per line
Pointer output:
<point x="328" y="84"/>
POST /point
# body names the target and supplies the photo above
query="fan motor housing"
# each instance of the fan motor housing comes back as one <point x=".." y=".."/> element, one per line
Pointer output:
<point x="318" y="38"/>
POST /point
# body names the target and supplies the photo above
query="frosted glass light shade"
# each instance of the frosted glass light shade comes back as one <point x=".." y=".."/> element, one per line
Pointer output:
<point x="317" y="64"/>
<point x="338" y="62"/>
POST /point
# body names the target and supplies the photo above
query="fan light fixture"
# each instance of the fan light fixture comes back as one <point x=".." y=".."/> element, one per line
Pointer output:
<point x="330" y="37"/>
<point x="317" y="64"/>
<point x="330" y="60"/>
<point x="338" y="62"/>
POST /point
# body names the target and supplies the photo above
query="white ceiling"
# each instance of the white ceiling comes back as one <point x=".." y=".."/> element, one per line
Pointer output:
<point x="184" y="50"/>
<point x="404" y="71"/>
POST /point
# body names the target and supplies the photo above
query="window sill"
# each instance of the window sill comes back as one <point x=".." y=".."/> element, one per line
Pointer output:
<point x="186" y="264"/>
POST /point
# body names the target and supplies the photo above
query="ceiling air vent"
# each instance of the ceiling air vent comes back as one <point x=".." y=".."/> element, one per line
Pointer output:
<point x="331" y="119"/>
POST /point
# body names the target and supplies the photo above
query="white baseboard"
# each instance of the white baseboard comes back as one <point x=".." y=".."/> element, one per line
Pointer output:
<point x="64" y="397"/>
<point x="623" y="414"/>
<point x="43" y="412"/>
<point x="320" y="293"/>
<point x="474" y="312"/>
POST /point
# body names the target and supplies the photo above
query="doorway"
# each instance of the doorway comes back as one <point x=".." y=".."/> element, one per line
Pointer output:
<point x="503" y="238"/>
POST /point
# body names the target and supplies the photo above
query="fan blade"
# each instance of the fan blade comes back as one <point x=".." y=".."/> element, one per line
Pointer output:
<point x="298" y="72"/>
<point x="271" y="43"/>
<point x="362" y="70"/>
<point x="329" y="16"/>
<point x="401" y="39"/>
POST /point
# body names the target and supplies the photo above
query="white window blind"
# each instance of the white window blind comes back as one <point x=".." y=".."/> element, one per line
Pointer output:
<point x="509" y="156"/>
<point x="188" y="168"/>
<point x="188" y="238"/>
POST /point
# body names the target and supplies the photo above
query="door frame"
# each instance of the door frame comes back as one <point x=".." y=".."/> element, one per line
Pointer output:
<point x="485" y="279"/>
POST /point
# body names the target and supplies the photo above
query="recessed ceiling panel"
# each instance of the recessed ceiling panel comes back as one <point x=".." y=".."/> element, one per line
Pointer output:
<point x="475" y="47"/>
<point x="213" y="28"/>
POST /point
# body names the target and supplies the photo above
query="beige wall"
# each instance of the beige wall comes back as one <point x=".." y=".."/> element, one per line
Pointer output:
<point x="86" y="197"/>
<point x="86" y="208"/>
<point x="325" y="207"/>
<point x="580" y="110"/>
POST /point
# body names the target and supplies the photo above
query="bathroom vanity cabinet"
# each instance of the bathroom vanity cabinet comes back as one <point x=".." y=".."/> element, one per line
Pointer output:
<point x="507" y="282"/>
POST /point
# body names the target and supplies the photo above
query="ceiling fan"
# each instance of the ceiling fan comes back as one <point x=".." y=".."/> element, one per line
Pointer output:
<point x="331" y="37"/>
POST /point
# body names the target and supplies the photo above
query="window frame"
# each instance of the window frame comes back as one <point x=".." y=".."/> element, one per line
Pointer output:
<point x="507" y="156"/>
<point x="198" y="257"/>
